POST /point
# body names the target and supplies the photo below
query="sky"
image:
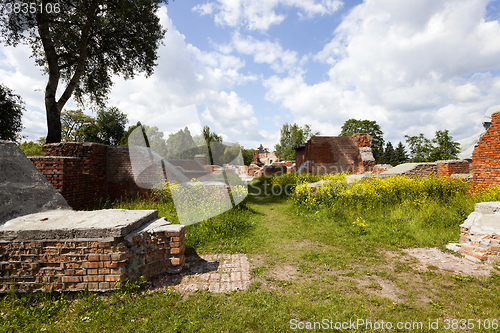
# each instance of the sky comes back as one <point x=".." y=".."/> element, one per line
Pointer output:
<point x="245" y="67"/>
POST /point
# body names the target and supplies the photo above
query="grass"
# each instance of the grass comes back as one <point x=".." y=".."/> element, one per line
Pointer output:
<point x="343" y="262"/>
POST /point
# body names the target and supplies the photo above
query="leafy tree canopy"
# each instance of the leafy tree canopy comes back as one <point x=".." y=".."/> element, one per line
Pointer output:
<point x="180" y="144"/>
<point x="74" y="124"/>
<point x="108" y="128"/>
<point x="355" y="126"/>
<point x="420" y="147"/>
<point x="11" y="112"/>
<point x="31" y="148"/>
<point x="442" y="147"/>
<point x="111" y="124"/>
<point x="84" y="43"/>
<point x="292" y="135"/>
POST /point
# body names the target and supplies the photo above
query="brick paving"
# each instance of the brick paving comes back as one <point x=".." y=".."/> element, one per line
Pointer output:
<point x="213" y="272"/>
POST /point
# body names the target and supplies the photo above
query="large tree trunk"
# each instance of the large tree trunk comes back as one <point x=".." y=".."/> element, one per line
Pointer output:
<point x="53" y="121"/>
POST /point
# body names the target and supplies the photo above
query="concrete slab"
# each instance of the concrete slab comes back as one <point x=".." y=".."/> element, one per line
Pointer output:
<point x="402" y="168"/>
<point x="64" y="224"/>
<point x="485" y="220"/>
<point x="23" y="189"/>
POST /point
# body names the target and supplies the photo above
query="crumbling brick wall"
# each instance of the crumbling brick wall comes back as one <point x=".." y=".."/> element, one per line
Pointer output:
<point x="450" y="167"/>
<point x="486" y="156"/>
<point x="335" y="154"/>
<point x="120" y="180"/>
<point x="76" y="170"/>
<point x="87" y="173"/>
<point x="96" y="264"/>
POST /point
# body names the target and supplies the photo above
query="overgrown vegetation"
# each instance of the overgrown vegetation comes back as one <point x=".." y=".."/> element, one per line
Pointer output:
<point x="342" y="244"/>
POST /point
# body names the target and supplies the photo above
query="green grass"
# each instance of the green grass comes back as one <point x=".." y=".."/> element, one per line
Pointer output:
<point x="338" y="255"/>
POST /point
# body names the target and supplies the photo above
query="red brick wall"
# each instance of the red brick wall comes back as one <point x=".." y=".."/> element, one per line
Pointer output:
<point x="335" y="154"/>
<point x="447" y="168"/>
<point x="120" y="180"/>
<point x="92" y="264"/>
<point x="77" y="170"/>
<point x="486" y="156"/>
<point x="86" y="173"/>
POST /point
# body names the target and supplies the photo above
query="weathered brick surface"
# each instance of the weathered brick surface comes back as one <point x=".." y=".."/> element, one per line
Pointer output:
<point x="486" y="155"/>
<point x="86" y="173"/>
<point x="64" y="265"/>
<point x="484" y="248"/>
<point x="335" y="154"/>
<point x="450" y="167"/>
<point x="76" y="170"/>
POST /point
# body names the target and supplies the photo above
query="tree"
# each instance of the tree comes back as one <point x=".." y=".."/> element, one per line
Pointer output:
<point x="389" y="155"/>
<point x="31" y="148"/>
<point x="247" y="155"/>
<point x="420" y="147"/>
<point x="108" y="128"/>
<point x="214" y="144"/>
<point x="11" y="113"/>
<point x="180" y="145"/>
<point x="84" y="43"/>
<point x="74" y="125"/>
<point x="400" y="154"/>
<point x="354" y="126"/>
<point x="290" y="136"/>
<point x="111" y="124"/>
<point x="445" y="148"/>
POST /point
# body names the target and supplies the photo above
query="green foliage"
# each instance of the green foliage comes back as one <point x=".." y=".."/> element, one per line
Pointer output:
<point x="108" y="128"/>
<point x="290" y="136"/>
<point x="442" y="147"/>
<point x="420" y="147"/>
<point x="11" y="112"/>
<point x="445" y="148"/>
<point x="180" y="145"/>
<point x="400" y="154"/>
<point x="126" y="134"/>
<point x="86" y="43"/>
<point x="31" y="148"/>
<point x="247" y="155"/>
<point x="226" y="230"/>
<point x="389" y="156"/>
<point x="130" y="286"/>
<point x="355" y="126"/>
<point x="111" y="123"/>
<point x="75" y="124"/>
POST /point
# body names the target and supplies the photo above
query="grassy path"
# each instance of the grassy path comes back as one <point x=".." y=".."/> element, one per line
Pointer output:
<point x="306" y="267"/>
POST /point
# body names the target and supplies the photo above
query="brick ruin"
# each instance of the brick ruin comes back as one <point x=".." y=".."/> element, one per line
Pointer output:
<point x="445" y="168"/>
<point x="44" y="244"/>
<point x="480" y="234"/>
<point x="88" y="173"/>
<point x="485" y="158"/>
<point x="70" y="251"/>
<point x="333" y="154"/>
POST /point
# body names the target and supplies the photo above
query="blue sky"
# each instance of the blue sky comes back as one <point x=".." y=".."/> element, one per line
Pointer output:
<point x="249" y="67"/>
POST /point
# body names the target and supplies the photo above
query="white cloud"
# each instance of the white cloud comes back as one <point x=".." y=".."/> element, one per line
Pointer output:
<point x="261" y="15"/>
<point x="204" y="9"/>
<point x="185" y="75"/>
<point x="265" y="52"/>
<point x="410" y="65"/>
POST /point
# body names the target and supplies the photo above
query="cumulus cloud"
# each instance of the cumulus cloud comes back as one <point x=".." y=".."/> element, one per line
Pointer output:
<point x="185" y="75"/>
<point x="261" y="15"/>
<point x="265" y="52"/>
<point x="414" y="67"/>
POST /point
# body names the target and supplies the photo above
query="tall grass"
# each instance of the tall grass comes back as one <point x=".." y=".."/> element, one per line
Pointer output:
<point x="393" y="212"/>
<point x="223" y="232"/>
